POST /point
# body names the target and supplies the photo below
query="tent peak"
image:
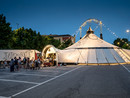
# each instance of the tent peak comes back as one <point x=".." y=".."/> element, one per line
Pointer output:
<point x="89" y="31"/>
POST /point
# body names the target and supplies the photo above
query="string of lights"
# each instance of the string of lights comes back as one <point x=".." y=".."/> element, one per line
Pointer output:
<point x="115" y="34"/>
<point x="80" y="28"/>
<point x="99" y="24"/>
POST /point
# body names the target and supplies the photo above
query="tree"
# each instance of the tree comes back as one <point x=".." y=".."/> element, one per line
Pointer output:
<point x="29" y="39"/>
<point x="39" y="42"/>
<point x="123" y="43"/>
<point x="5" y="33"/>
<point x="24" y="38"/>
<point x="126" y="46"/>
<point x="66" y="44"/>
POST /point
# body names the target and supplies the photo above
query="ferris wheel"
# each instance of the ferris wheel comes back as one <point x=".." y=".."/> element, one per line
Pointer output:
<point x="90" y="21"/>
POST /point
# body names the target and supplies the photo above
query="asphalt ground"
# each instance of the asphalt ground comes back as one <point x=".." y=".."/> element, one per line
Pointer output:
<point x="67" y="82"/>
<point x="14" y="82"/>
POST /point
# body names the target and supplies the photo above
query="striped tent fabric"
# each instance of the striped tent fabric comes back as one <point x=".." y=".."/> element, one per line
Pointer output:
<point x="93" y="50"/>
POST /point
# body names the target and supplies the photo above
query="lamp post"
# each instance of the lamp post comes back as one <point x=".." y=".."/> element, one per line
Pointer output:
<point x="128" y="31"/>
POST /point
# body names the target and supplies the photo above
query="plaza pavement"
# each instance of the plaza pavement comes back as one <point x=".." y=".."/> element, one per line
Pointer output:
<point x="67" y="82"/>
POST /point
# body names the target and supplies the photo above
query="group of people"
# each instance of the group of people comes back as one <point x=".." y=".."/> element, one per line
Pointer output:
<point x="26" y="63"/>
<point x="3" y="64"/>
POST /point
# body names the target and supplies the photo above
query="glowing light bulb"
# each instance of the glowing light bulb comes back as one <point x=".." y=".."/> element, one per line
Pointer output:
<point x="127" y="31"/>
<point x="118" y="43"/>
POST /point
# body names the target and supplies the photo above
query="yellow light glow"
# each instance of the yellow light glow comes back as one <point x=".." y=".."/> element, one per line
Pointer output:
<point x="80" y="28"/>
<point x="100" y="22"/>
<point x="118" y="43"/>
<point x="127" y="31"/>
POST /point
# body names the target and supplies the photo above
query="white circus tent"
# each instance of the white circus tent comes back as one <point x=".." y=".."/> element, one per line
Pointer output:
<point x="93" y="50"/>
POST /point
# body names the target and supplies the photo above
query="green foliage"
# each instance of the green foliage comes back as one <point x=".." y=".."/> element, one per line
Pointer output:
<point x="29" y="39"/>
<point x="5" y="33"/>
<point x="25" y="38"/>
<point x="66" y="44"/>
<point x="123" y="43"/>
<point x="126" y="46"/>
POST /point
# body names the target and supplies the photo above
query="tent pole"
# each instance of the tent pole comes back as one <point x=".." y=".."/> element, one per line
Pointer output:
<point x="80" y="32"/>
<point x="56" y="59"/>
<point x="101" y="30"/>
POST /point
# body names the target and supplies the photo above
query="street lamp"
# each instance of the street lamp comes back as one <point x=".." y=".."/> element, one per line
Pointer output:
<point x="127" y="31"/>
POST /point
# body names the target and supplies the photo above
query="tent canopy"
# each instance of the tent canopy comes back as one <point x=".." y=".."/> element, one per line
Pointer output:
<point x="92" y="50"/>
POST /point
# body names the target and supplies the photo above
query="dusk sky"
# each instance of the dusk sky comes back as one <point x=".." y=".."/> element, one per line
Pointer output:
<point x="66" y="16"/>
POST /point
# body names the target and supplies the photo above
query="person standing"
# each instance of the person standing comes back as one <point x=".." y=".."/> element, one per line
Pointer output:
<point x="33" y="66"/>
<point x="39" y="63"/>
<point x="19" y="62"/>
<point x="16" y="64"/>
<point x="11" y="65"/>
<point x="27" y="63"/>
<point x="5" y="64"/>
<point x="2" y="64"/>
<point x="36" y="65"/>
<point x="24" y="62"/>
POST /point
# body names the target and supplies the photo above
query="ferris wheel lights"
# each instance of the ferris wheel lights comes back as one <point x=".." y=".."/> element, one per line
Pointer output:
<point x="80" y="28"/>
<point x="116" y="35"/>
<point x="100" y="22"/>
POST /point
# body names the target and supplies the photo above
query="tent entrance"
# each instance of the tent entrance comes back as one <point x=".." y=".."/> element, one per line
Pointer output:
<point x="50" y="55"/>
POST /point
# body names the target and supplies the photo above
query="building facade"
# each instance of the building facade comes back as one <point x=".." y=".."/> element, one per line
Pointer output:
<point x="63" y="38"/>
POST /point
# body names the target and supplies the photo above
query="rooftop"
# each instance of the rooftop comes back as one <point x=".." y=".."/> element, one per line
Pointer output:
<point x="66" y="35"/>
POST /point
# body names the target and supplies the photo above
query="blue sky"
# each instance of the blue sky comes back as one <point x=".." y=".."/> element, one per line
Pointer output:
<point x="66" y="16"/>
